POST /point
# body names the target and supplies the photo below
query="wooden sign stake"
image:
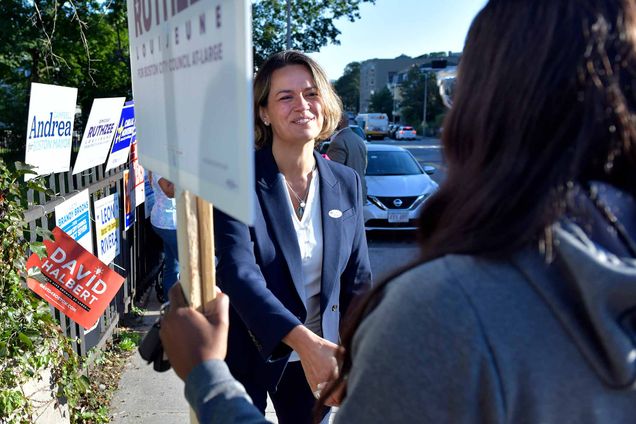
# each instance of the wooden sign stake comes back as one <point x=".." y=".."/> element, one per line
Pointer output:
<point x="195" y="236"/>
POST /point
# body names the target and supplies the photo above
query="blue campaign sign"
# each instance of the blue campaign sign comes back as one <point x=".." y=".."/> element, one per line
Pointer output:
<point x="124" y="136"/>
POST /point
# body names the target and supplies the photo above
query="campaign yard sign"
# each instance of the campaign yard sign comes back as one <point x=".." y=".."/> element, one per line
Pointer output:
<point x="72" y="280"/>
<point x="191" y="64"/>
<point x="124" y="136"/>
<point x="73" y="217"/>
<point x="150" y="195"/>
<point x="107" y="227"/>
<point x="138" y="175"/>
<point x="99" y="132"/>
<point x="50" y="128"/>
<point x="129" y="199"/>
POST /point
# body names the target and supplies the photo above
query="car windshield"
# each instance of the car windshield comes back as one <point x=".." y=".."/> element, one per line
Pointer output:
<point x="392" y="163"/>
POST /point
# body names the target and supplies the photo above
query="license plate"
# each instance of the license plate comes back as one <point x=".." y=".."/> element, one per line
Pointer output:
<point x="398" y="217"/>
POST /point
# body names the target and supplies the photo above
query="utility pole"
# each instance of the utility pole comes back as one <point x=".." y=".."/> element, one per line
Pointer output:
<point x="288" y="24"/>
<point x="425" y="101"/>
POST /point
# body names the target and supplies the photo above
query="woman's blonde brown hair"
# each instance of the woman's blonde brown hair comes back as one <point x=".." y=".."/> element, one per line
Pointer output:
<point x="331" y="103"/>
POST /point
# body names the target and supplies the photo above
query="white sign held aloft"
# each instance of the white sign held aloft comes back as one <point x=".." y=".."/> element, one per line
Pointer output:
<point x="99" y="132"/>
<point x="191" y="66"/>
<point x="50" y="128"/>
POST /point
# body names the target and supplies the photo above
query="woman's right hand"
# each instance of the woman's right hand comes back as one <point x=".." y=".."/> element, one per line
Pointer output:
<point x="317" y="357"/>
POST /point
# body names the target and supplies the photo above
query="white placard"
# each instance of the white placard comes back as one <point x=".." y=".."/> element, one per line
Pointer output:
<point x="50" y="128"/>
<point x="192" y="71"/>
<point x="98" y="134"/>
<point x="107" y="227"/>
<point x="124" y="136"/>
<point x="73" y="217"/>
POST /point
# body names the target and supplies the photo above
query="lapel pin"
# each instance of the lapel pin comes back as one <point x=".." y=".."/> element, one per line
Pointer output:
<point x="335" y="213"/>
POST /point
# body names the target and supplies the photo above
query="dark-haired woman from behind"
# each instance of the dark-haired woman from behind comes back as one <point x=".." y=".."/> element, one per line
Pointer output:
<point x="522" y="308"/>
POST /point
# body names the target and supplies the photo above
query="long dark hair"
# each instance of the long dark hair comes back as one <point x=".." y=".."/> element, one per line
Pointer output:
<point x="544" y="100"/>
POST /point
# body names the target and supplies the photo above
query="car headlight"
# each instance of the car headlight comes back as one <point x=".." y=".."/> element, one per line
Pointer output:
<point x="374" y="200"/>
<point x="420" y="199"/>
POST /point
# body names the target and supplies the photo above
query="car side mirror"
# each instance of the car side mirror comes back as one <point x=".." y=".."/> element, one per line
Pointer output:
<point x="430" y="170"/>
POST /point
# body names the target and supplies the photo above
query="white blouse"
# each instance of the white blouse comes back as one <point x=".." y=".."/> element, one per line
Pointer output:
<point x="310" y="242"/>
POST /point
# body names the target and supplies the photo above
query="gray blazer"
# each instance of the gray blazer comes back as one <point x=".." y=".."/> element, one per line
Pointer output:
<point x="348" y="148"/>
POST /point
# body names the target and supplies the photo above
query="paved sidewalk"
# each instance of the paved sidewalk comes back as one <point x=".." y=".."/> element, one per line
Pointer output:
<point x="148" y="397"/>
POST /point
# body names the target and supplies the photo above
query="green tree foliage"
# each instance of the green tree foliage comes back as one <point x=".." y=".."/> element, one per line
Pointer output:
<point x="348" y="87"/>
<point x="81" y="44"/>
<point x="312" y="24"/>
<point x="412" y="93"/>
<point x="382" y="102"/>
<point x="30" y="340"/>
<point x="412" y="104"/>
<point x="84" y="44"/>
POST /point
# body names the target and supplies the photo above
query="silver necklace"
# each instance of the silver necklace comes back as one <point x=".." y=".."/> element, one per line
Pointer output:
<point x="302" y="203"/>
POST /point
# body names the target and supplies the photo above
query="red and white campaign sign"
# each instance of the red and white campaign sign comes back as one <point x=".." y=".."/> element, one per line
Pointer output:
<point x="73" y="280"/>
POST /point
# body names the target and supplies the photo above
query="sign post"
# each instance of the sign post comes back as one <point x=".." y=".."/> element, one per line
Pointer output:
<point x="196" y="248"/>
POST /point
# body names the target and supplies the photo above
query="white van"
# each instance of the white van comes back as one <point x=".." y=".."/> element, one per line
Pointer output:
<point x="375" y="125"/>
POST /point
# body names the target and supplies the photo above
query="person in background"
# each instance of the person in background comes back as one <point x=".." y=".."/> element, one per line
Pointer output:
<point x="293" y="274"/>
<point x="522" y="307"/>
<point x="349" y="149"/>
<point x="163" y="218"/>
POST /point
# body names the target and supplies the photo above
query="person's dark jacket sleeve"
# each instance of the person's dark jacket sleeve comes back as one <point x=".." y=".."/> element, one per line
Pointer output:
<point x="217" y="397"/>
<point x="240" y="277"/>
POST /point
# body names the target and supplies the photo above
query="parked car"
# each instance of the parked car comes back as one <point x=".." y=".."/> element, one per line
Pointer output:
<point x="397" y="187"/>
<point x="405" y="133"/>
<point x="355" y="128"/>
<point x="392" y="130"/>
<point x="358" y="130"/>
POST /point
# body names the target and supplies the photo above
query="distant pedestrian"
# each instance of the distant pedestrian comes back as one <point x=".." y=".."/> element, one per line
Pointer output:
<point x="163" y="218"/>
<point x="348" y="148"/>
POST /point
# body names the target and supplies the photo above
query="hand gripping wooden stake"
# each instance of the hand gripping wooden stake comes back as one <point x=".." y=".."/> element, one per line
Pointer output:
<point x="195" y="235"/>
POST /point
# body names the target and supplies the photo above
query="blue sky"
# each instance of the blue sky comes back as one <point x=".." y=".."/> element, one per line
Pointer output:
<point x="392" y="27"/>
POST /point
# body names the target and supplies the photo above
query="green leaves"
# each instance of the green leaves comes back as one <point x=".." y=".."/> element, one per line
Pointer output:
<point x="39" y="248"/>
<point x="80" y="44"/>
<point x="312" y="24"/>
<point x="382" y="102"/>
<point x="348" y="87"/>
<point x="412" y="91"/>
<point x="29" y="337"/>
<point x="25" y="340"/>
